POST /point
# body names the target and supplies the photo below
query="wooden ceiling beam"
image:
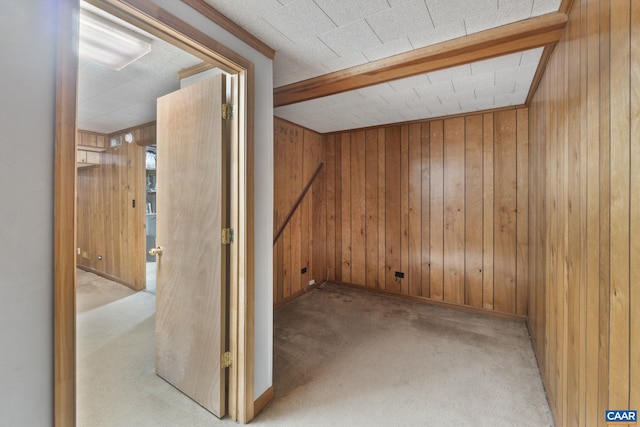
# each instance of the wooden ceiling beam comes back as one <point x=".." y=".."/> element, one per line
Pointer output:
<point x="518" y="36"/>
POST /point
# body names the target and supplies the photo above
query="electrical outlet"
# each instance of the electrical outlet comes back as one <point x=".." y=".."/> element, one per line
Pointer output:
<point x="312" y="282"/>
<point x="399" y="275"/>
<point x="79" y="252"/>
<point x="85" y="255"/>
<point x="304" y="270"/>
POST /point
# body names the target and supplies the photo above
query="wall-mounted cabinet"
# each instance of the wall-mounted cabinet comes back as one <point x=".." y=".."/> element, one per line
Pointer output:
<point x="90" y="145"/>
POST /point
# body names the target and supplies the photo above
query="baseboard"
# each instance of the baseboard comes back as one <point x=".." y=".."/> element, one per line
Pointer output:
<point x="107" y="276"/>
<point x="454" y="306"/>
<point x="262" y="401"/>
<point x="297" y="294"/>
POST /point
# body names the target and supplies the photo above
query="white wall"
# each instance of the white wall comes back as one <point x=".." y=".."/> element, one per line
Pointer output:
<point x="263" y="176"/>
<point x="27" y="117"/>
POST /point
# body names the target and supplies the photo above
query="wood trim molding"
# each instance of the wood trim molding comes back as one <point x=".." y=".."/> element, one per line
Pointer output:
<point x="297" y="203"/>
<point x="194" y="69"/>
<point x="230" y="26"/>
<point x="565" y="6"/>
<point x="64" y="217"/>
<point x="542" y="66"/>
<point x="150" y="17"/>
<point x="515" y="37"/>
<point x="262" y="401"/>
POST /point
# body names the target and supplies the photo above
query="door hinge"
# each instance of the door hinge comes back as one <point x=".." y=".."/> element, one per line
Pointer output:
<point x="227" y="236"/>
<point x="227" y="111"/>
<point x="226" y="359"/>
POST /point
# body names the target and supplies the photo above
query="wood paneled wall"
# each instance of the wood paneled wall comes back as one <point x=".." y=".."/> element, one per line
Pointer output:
<point x="445" y="202"/>
<point x="108" y="224"/>
<point x="298" y="152"/>
<point x="584" y="263"/>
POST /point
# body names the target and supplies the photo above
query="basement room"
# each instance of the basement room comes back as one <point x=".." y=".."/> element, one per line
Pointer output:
<point x="327" y="213"/>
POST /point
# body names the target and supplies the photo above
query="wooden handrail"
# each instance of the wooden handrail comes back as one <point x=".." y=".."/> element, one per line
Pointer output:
<point x="297" y="203"/>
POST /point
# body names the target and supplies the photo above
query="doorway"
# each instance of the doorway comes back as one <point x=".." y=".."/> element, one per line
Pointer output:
<point x="150" y="18"/>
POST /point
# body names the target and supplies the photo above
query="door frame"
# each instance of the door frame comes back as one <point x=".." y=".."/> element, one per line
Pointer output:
<point x="150" y="17"/>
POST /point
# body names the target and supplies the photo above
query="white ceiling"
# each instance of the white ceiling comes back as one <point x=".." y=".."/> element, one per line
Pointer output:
<point x="315" y="37"/>
<point x="110" y="100"/>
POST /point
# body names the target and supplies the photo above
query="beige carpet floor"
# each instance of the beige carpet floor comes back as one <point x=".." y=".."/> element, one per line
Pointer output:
<point x="341" y="358"/>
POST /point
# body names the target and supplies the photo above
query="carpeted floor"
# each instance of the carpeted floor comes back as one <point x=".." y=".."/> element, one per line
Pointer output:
<point x="341" y="358"/>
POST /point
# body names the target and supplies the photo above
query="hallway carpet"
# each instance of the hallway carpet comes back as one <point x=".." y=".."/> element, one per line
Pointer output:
<point x="341" y="358"/>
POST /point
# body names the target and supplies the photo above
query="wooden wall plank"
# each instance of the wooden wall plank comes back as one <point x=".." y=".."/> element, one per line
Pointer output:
<point x="304" y="243"/>
<point x="393" y="160"/>
<point x="473" y="211"/>
<point x="382" y="210"/>
<point x="425" y="216"/>
<point x="404" y="208"/>
<point x="414" y="199"/>
<point x="339" y="216"/>
<point x="522" y="211"/>
<point x="331" y="207"/>
<point x="436" y="272"/>
<point x="620" y="207"/>
<point x="454" y="144"/>
<point x="505" y="211"/>
<point x="295" y="228"/>
<point x="345" y="167"/>
<point x="634" y="279"/>
<point x="371" y="208"/>
<point x="582" y="134"/>
<point x="487" y="211"/>
<point x="358" y="200"/>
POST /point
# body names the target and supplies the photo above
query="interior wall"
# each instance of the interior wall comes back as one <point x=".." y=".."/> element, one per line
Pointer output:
<point x="443" y="202"/>
<point x="111" y="213"/>
<point x="302" y="243"/>
<point x="27" y="120"/>
<point x="263" y="187"/>
<point x="585" y="215"/>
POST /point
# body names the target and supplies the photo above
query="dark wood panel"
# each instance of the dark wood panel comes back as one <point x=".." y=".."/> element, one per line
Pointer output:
<point x="473" y="211"/>
<point x="382" y="209"/>
<point x="505" y="212"/>
<point x="454" y="143"/>
<point x="436" y="211"/>
<point x="487" y="212"/>
<point x="345" y="192"/>
<point x="371" y="208"/>
<point x="393" y="239"/>
<point x="331" y="207"/>
<point x="358" y="206"/>
<point x="425" y="215"/>
<point x="414" y="197"/>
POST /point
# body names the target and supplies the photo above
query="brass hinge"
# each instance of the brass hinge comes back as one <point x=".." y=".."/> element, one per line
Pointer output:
<point x="227" y="236"/>
<point x="226" y="359"/>
<point x="227" y="111"/>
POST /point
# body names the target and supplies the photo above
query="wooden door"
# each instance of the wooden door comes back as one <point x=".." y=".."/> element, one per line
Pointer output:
<point x="191" y="269"/>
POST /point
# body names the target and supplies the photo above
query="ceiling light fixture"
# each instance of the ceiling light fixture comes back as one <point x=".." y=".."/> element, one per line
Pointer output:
<point x="109" y="44"/>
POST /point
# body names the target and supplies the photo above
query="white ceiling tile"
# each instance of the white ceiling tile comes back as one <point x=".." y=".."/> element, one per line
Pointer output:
<point x="418" y="81"/>
<point x="456" y="97"/>
<point x="515" y="98"/>
<point x="401" y="20"/>
<point x="488" y="65"/>
<point x="450" y="73"/>
<point x="343" y="12"/>
<point x="501" y="87"/>
<point x="477" y="81"/>
<point x="434" y="90"/>
<point x="531" y="56"/>
<point x="346" y="62"/>
<point x="303" y="74"/>
<point x="477" y="104"/>
<point x="388" y="49"/>
<point x="540" y="7"/>
<point x="445" y="11"/>
<point x="430" y="36"/>
<point x="268" y="34"/>
<point x="351" y="38"/>
<point x="507" y="12"/>
<point x="313" y="51"/>
<point x="300" y="20"/>
<point x="236" y="10"/>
